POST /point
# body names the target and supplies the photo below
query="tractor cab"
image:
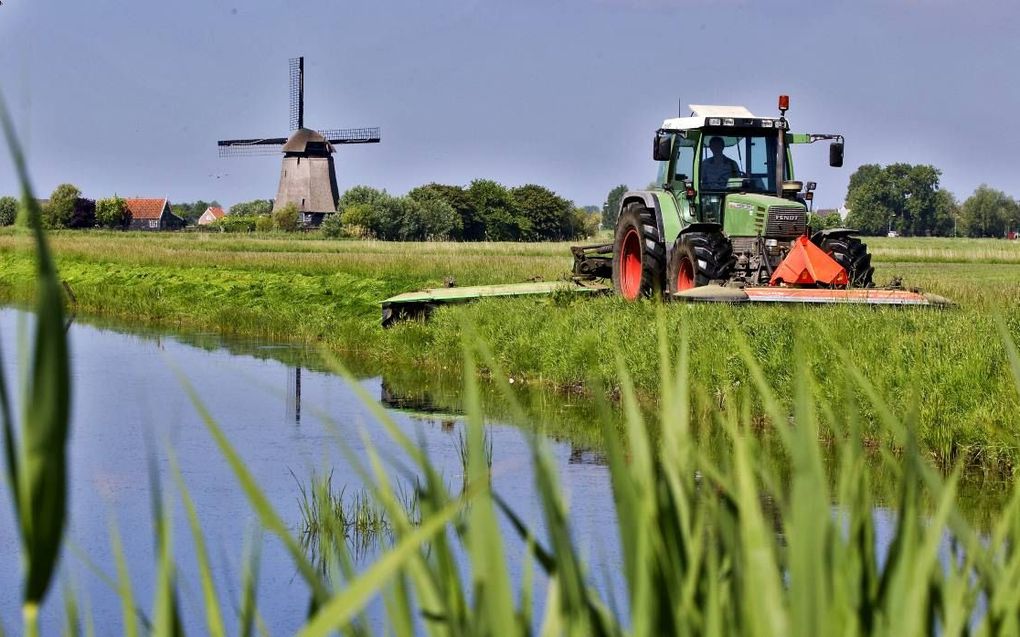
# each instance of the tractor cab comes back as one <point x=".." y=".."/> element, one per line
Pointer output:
<point x="726" y="166"/>
<point x="720" y="151"/>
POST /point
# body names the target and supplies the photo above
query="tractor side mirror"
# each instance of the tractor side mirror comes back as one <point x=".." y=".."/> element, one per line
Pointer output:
<point x="836" y="154"/>
<point x="662" y="147"/>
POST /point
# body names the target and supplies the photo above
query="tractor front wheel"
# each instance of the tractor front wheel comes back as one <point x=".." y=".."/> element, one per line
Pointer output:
<point x="852" y="254"/>
<point x="697" y="259"/>
<point x="638" y="255"/>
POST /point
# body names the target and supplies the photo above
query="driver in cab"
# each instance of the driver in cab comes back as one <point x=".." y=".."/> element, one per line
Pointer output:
<point x="717" y="169"/>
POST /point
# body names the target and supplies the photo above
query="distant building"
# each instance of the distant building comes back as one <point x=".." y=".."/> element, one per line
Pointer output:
<point x="153" y="214"/>
<point x="212" y="213"/>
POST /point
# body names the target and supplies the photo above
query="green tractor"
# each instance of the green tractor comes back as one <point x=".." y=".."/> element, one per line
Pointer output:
<point x="725" y="222"/>
<point x="727" y="211"/>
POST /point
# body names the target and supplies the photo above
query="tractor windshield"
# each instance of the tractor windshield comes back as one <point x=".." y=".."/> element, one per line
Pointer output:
<point x="737" y="160"/>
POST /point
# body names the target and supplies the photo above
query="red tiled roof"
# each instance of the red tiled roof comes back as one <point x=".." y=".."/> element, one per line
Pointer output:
<point x="146" y="208"/>
<point x="215" y="211"/>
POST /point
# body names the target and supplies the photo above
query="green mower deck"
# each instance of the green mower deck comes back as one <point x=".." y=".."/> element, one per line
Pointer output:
<point x="420" y="304"/>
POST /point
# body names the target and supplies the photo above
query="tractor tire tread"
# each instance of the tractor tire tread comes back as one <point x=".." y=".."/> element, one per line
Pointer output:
<point x="712" y="253"/>
<point x="853" y="255"/>
<point x="653" y="262"/>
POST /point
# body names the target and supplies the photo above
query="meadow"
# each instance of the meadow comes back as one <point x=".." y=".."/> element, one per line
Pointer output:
<point x="327" y="292"/>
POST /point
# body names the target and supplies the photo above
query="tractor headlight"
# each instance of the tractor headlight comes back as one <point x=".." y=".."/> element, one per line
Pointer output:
<point x="766" y="123"/>
<point x="714" y="121"/>
<point x="728" y="121"/>
<point x="771" y="242"/>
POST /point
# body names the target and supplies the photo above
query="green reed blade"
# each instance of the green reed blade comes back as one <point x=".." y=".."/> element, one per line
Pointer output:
<point x="214" y="618"/>
<point x="41" y="466"/>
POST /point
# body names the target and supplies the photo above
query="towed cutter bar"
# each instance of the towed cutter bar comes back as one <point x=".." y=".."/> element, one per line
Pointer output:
<point x="770" y="294"/>
<point x="421" y="304"/>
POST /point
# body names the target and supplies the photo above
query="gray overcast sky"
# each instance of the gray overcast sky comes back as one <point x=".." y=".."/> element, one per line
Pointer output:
<point x="129" y="96"/>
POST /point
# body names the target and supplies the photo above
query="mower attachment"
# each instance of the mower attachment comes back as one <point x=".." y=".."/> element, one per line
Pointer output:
<point x="808" y="265"/>
<point x="420" y="304"/>
<point x="778" y="294"/>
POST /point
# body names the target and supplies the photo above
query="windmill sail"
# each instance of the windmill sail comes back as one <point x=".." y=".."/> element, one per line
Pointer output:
<point x="297" y="93"/>
<point x="351" y="135"/>
<point x="245" y="147"/>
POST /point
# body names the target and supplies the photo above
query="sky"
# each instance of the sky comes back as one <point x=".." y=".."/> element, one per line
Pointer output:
<point x="129" y="97"/>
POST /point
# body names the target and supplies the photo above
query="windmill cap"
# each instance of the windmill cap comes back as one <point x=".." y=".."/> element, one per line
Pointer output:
<point x="298" y="142"/>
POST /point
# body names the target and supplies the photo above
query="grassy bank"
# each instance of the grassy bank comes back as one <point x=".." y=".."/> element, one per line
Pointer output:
<point x="309" y="290"/>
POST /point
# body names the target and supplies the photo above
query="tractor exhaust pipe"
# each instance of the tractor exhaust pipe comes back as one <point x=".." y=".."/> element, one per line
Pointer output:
<point x="784" y="105"/>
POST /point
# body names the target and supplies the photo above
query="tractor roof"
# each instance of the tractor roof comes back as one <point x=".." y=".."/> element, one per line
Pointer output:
<point x="702" y="113"/>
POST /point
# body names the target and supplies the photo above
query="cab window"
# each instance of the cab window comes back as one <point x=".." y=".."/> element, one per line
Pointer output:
<point x="683" y="167"/>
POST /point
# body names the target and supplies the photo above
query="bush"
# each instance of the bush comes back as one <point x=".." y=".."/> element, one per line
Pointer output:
<point x="112" y="213"/>
<point x="263" y="223"/>
<point x="358" y="220"/>
<point x="434" y="219"/>
<point x="59" y="212"/>
<point x="234" y="223"/>
<point x="495" y="206"/>
<point x="287" y="218"/>
<point x="549" y="216"/>
<point x="359" y="195"/>
<point x="8" y="210"/>
<point x="252" y="208"/>
<point x="584" y="223"/>
<point x="471" y="227"/>
<point x="84" y="214"/>
<point x="332" y="226"/>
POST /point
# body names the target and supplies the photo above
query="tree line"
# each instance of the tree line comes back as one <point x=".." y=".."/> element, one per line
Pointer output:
<point x="483" y="211"/>
<point x="907" y="199"/>
<point x="66" y="208"/>
<point x="903" y="198"/>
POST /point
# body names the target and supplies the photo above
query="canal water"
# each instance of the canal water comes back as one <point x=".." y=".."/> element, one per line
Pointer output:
<point x="130" y="405"/>
<point x="131" y="409"/>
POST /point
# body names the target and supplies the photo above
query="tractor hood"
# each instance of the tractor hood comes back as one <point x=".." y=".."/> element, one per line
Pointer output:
<point x="750" y="214"/>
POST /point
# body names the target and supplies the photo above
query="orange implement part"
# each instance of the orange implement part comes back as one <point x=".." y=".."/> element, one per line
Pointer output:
<point x="808" y="265"/>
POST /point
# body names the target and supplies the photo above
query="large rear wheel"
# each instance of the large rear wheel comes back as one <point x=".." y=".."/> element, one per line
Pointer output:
<point x="697" y="259"/>
<point x="638" y="254"/>
<point x="852" y="254"/>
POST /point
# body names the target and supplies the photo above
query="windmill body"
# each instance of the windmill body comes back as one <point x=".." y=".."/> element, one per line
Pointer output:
<point x="308" y="174"/>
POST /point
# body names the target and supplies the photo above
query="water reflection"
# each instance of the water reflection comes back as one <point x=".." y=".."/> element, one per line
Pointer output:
<point x="294" y="394"/>
<point x="129" y="405"/>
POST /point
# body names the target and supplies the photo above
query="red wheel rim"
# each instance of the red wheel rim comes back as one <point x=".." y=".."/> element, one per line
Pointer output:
<point x="630" y="265"/>
<point x="685" y="277"/>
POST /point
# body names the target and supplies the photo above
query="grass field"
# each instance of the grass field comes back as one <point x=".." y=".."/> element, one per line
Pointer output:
<point x="327" y="292"/>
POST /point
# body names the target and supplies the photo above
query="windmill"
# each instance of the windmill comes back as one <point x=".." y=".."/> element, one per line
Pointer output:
<point x="308" y="176"/>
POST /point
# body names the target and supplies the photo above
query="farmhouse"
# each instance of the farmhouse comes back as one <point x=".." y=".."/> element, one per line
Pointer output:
<point x="212" y="213"/>
<point x="153" y="214"/>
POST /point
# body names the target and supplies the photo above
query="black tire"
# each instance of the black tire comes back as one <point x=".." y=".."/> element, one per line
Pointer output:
<point x="853" y="255"/>
<point x="702" y="257"/>
<point x="639" y="256"/>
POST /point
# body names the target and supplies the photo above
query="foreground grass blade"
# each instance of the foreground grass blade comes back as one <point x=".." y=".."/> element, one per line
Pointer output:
<point x="214" y="618"/>
<point x="38" y="470"/>
<point x="124" y="588"/>
<point x="494" y="606"/>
